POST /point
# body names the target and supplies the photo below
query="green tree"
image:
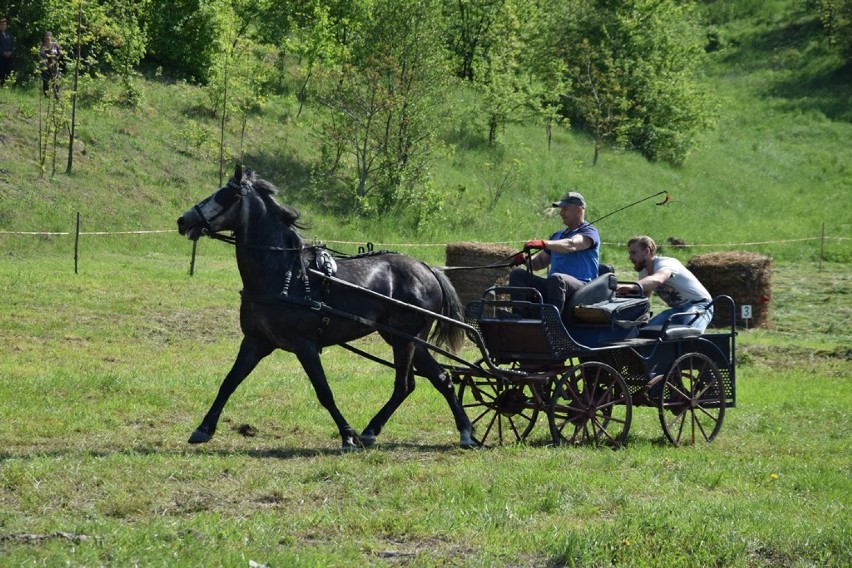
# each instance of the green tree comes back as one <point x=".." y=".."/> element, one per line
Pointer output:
<point x="112" y="36"/>
<point x="468" y="32"/>
<point x="634" y="74"/>
<point x="184" y="36"/>
<point x="241" y="73"/>
<point x="836" y="17"/>
<point x="502" y="83"/>
<point x="61" y="18"/>
<point x="384" y="107"/>
<point x="498" y="46"/>
<point x="543" y="63"/>
<point x="127" y="33"/>
<point x="600" y="96"/>
<point x="321" y="34"/>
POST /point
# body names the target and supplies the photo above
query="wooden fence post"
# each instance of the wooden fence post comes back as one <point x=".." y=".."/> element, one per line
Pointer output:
<point x="192" y="262"/>
<point x="77" y="244"/>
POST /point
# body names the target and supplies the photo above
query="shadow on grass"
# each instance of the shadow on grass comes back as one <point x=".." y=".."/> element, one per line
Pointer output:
<point x="283" y="453"/>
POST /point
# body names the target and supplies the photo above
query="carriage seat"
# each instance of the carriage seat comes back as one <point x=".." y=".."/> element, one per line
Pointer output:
<point x="605" y="269"/>
<point x="598" y="290"/>
<point x="668" y="332"/>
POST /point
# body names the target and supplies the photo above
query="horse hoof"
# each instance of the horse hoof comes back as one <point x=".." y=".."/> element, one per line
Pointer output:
<point x="368" y="440"/>
<point x="199" y="437"/>
<point x="469" y="442"/>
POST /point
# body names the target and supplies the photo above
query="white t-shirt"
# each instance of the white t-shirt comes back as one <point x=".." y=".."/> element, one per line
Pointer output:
<point x="681" y="287"/>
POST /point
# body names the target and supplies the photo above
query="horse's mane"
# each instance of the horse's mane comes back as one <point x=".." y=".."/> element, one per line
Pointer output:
<point x="289" y="215"/>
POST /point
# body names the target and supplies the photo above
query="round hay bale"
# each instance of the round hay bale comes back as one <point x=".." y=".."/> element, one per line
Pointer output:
<point x="471" y="283"/>
<point x="744" y="276"/>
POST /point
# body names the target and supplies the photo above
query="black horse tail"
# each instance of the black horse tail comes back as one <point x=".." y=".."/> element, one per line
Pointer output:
<point x="447" y="333"/>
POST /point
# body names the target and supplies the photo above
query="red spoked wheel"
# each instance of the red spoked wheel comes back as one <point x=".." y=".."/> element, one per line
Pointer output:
<point x="590" y="405"/>
<point x="502" y="411"/>
<point x="692" y="400"/>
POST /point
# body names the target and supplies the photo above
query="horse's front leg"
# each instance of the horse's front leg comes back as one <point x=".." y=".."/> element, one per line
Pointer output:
<point x="309" y="358"/>
<point x="250" y="354"/>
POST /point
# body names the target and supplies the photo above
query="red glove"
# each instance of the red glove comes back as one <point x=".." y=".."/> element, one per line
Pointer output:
<point x="535" y="245"/>
<point x="519" y="259"/>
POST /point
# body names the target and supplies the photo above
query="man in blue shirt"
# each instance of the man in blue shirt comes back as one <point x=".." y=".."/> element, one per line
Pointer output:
<point x="572" y="255"/>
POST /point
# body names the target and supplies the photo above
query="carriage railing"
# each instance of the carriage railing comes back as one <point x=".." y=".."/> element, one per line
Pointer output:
<point x="646" y="358"/>
<point x="720" y="345"/>
<point x="726" y="344"/>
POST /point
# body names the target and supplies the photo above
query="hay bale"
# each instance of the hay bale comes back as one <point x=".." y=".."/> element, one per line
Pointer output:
<point x="744" y="276"/>
<point x="470" y="284"/>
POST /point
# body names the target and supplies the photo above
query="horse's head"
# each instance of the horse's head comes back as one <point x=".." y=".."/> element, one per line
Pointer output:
<point x="220" y="211"/>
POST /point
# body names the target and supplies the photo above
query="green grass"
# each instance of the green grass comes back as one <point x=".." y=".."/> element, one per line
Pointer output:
<point x="105" y="374"/>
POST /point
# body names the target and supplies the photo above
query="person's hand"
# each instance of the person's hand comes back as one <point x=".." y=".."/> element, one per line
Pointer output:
<point x="518" y="259"/>
<point x="633" y="290"/>
<point x="538" y="244"/>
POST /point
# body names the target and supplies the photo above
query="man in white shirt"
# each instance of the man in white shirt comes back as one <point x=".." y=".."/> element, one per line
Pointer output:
<point x="673" y="283"/>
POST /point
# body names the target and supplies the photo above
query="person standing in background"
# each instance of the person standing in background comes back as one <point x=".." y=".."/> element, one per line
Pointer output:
<point x="7" y="52"/>
<point x="50" y="61"/>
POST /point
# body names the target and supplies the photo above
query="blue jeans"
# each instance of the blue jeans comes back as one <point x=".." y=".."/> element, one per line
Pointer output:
<point x="701" y="322"/>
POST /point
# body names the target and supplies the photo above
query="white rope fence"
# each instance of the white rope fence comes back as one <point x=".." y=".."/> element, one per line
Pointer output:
<point x="409" y="245"/>
<point x="77" y="234"/>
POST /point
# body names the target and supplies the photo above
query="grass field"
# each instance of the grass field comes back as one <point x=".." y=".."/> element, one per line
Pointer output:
<point x="106" y="373"/>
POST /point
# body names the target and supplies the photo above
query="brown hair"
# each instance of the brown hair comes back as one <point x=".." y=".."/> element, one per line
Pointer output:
<point x="645" y="242"/>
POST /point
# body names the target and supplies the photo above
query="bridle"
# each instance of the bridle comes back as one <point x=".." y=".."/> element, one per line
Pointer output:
<point x="239" y="191"/>
<point x="226" y="202"/>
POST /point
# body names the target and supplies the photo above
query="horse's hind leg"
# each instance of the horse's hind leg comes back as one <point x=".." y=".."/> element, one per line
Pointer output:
<point x="403" y="386"/>
<point x="440" y="379"/>
<point x="250" y="354"/>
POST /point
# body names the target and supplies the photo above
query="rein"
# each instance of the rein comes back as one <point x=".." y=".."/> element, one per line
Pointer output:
<point x="232" y="240"/>
<point x="504" y="263"/>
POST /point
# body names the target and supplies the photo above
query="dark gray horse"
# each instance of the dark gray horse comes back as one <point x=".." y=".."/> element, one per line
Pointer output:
<point x="286" y="305"/>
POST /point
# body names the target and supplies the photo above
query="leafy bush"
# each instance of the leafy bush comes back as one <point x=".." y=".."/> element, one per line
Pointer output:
<point x="184" y="36"/>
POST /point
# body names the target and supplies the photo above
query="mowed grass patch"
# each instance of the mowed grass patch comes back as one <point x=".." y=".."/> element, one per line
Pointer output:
<point x="108" y="372"/>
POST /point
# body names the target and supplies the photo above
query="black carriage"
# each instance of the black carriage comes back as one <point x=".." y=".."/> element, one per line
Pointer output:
<point x="588" y="374"/>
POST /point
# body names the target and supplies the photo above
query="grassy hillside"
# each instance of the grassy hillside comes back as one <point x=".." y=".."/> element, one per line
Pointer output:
<point x="776" y="168"/>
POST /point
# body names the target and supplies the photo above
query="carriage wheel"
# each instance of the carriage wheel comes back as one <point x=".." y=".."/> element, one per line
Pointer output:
<point x="502" y="410"/>
<point x="590" y="405"/>
<point x="692" y="401"/>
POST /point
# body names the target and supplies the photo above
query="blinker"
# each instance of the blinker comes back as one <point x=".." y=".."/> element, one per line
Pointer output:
<point x="228" y="195"/>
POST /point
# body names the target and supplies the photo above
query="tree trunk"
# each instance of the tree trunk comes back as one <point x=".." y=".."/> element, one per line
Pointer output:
<point x="74" y="99"/>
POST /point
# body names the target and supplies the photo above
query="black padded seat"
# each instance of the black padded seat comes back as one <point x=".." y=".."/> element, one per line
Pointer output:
<point x="600" y="289"/>
<point x="672" y="332"/>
